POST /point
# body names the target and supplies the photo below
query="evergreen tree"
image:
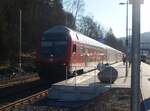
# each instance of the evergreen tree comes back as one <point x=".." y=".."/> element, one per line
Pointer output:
<point x="112" y="41"/>
<point x="37" y="16"/>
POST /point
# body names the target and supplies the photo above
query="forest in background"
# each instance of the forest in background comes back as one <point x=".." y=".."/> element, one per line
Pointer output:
<point x="38" y="16"/>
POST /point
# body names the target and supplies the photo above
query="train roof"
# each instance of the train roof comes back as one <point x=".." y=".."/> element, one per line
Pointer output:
<point x="58" y="29"/>
<point x="78" y="37"/>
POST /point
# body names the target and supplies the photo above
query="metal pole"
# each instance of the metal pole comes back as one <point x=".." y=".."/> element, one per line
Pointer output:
<point x="20" y="48"/>
<point x="127" y="39"/>
<point x="130" y="40"/>
<point x="66" y="73"/>
<point x="66" y="19"/>
<point x="135" y="76"/>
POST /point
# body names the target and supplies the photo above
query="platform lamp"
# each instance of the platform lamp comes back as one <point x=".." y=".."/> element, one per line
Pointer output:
<point x="126" y="42"/>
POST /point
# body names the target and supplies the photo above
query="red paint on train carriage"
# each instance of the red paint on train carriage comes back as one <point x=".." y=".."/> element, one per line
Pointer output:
<point x="66" y="50"/>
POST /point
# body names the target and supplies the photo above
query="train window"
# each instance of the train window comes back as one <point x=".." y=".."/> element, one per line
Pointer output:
<point x="74" y="48"/>
<point x="60" y="42"/>
<point x="82" y="51"/>
<point x="55" y="37"/>
<point x="46" y="44"/>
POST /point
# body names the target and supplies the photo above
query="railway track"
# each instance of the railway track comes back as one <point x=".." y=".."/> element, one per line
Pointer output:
<point x="18" y="80"/>
<point x="17" y="92"/>
<point x="24" y="101"/>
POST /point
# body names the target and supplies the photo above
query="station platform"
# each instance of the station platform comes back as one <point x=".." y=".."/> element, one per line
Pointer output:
<point x="145" y="85"/>
<point x="86" y="86"/>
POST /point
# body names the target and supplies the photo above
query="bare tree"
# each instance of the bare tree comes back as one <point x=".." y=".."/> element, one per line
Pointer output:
<point x="90" y="28"/>
<point x="76" y="7"/>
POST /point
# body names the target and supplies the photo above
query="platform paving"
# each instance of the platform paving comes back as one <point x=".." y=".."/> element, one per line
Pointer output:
<point x="145" y="85"/>
<point x="86" y="86"/>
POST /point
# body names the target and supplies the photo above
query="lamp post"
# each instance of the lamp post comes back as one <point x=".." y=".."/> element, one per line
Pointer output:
<point x="20" y="39"/>
<point x="130" y="39"/>
<point x="126" y="35"/>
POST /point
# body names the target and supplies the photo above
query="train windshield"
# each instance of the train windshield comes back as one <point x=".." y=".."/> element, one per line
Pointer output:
<point x="54" y="44"/>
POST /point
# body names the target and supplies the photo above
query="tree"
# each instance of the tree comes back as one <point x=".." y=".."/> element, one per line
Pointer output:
<point x="75" y="7"/>
<point x="121" y="46"/>
<point x="89" y="27"/>
<point x="69" y="20"/>
<point x="112" y="41"/>
<point x="37" y="16"/>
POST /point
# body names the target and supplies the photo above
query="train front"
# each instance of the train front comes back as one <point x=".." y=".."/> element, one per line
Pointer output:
<point x="53" y="56"/>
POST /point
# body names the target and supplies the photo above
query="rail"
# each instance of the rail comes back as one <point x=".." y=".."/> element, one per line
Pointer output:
<point x="25" y="101"/>
<point x="22" y="79"/>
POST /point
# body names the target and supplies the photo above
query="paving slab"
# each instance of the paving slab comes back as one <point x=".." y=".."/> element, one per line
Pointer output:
<point x="145" y="85"/>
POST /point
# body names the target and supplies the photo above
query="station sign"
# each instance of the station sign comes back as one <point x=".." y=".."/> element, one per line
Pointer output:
<point x="131" y="1"/>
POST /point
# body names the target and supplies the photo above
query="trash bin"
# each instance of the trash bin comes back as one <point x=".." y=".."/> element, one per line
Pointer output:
<point x="108" y="75"/>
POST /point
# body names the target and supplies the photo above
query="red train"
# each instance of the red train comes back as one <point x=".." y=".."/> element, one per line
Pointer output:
<point x="63" y="51"/>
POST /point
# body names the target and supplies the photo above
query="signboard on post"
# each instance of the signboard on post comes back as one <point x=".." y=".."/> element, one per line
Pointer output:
<point x="131" y="1"/>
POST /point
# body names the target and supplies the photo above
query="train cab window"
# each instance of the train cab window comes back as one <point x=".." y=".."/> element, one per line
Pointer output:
<point x="74" y="48"/>
<point x="46" y="44"/>
<point x="54" y="43"/>
<point x="60" y="43"/>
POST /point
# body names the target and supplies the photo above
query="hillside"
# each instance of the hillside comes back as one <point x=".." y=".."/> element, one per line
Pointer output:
<point x="145" y="37"/>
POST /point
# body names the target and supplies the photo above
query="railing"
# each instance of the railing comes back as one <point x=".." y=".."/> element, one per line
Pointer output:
<point x="90" y="77"/>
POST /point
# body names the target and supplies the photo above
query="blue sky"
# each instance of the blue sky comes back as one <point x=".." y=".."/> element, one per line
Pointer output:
<point x="110" y="14"/>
